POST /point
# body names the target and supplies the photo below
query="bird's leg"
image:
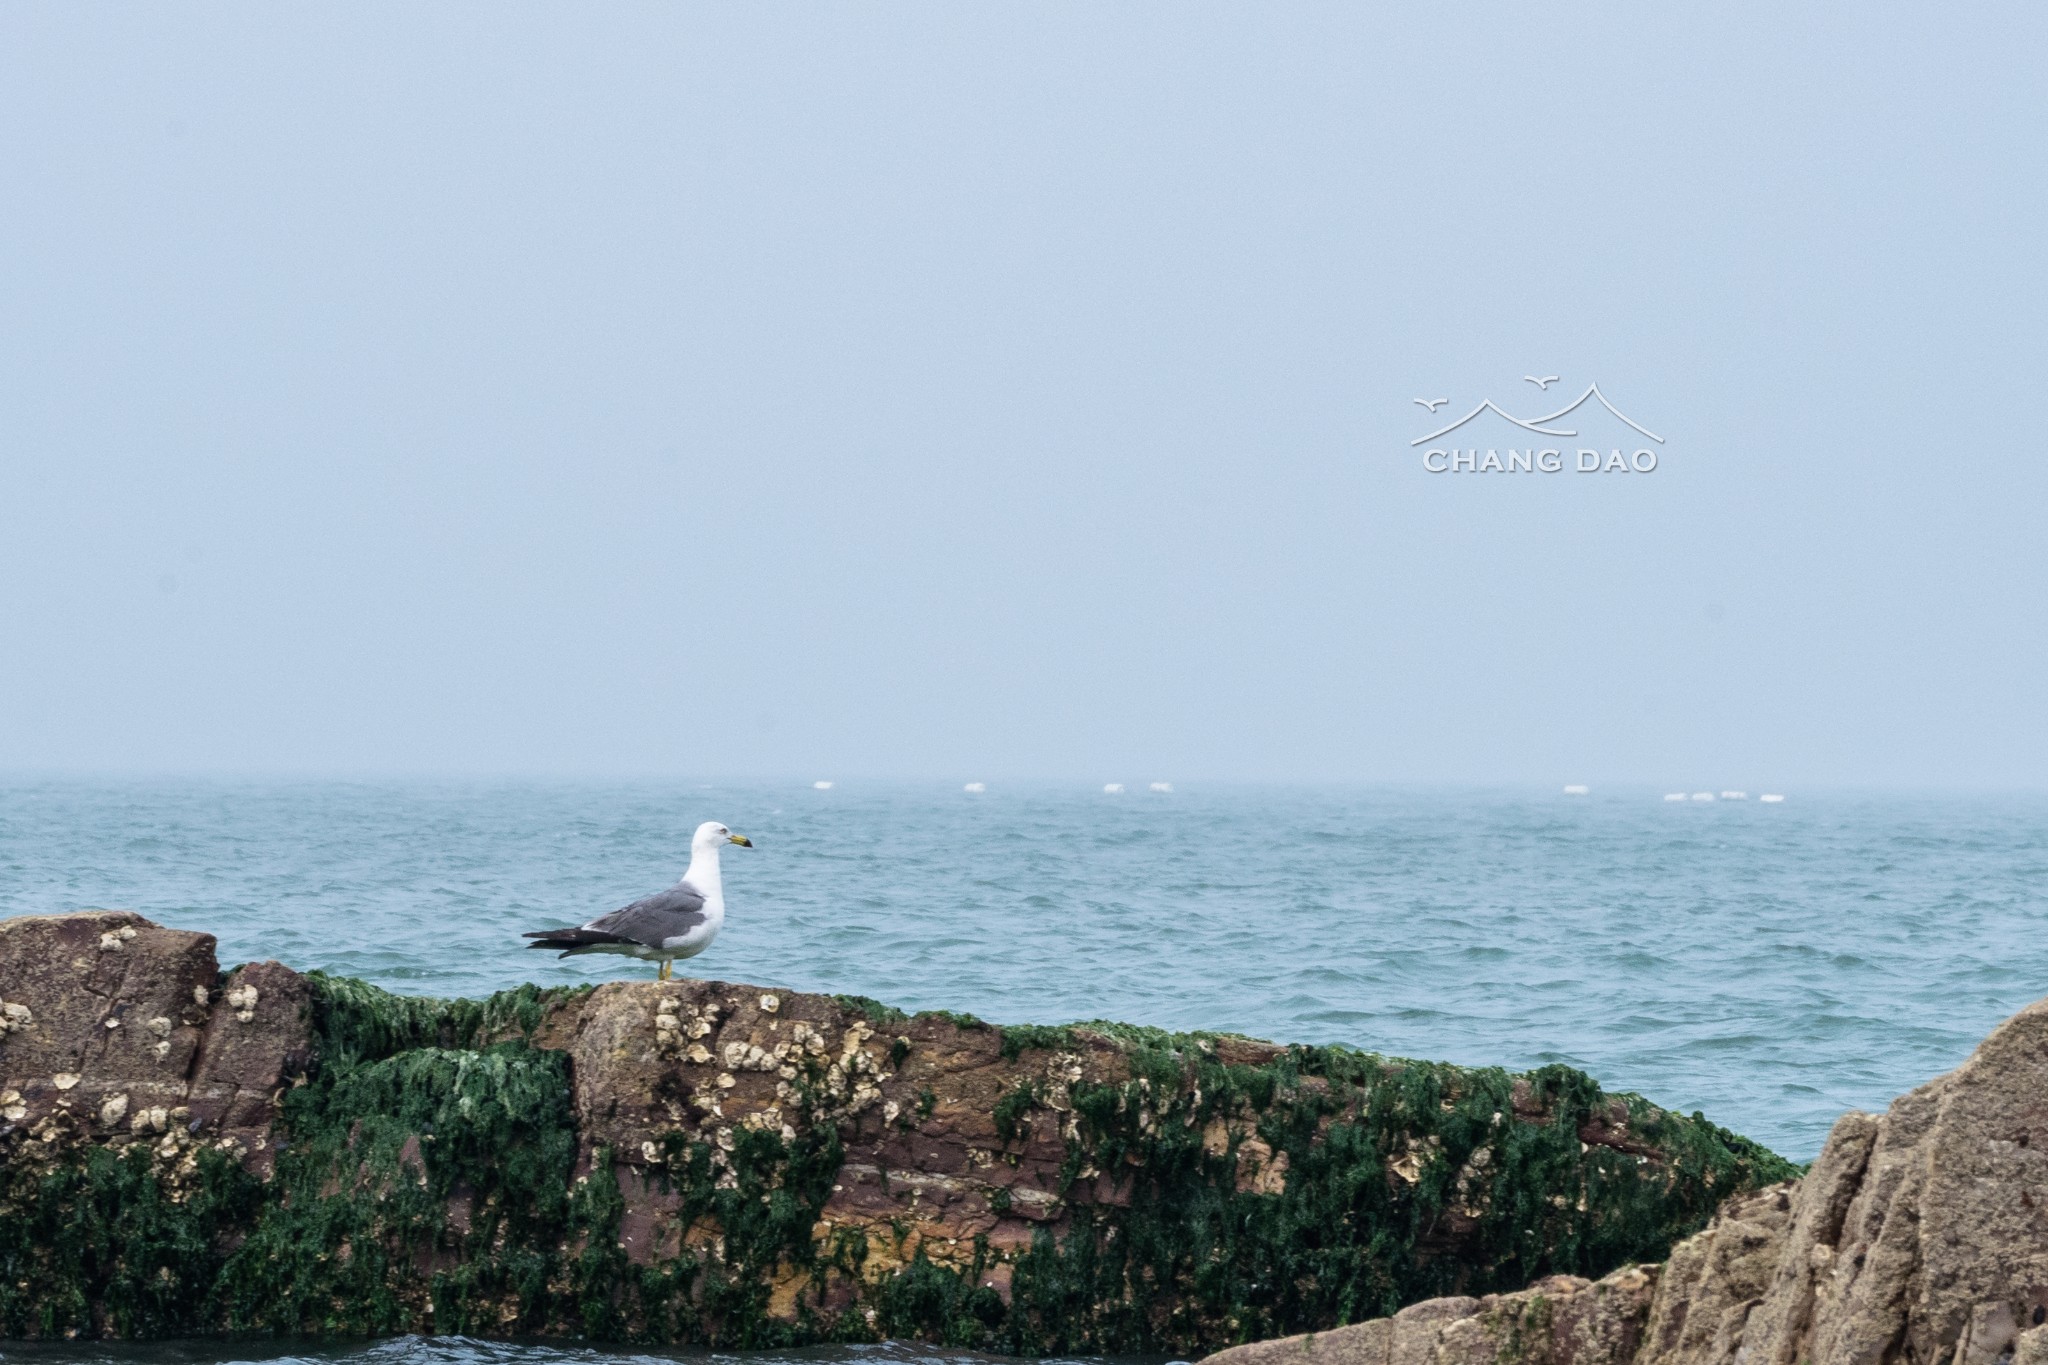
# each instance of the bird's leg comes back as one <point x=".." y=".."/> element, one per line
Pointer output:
<point x="666" y="963"/>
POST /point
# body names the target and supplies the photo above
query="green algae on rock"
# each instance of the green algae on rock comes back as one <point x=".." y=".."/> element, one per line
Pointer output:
<point x="1916" y="1236"/>
<point x="702" y="1162"/>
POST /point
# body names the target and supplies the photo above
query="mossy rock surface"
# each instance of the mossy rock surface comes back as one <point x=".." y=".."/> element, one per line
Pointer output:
<point x="708" y="1163"/>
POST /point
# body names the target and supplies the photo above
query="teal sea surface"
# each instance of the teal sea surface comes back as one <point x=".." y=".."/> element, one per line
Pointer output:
<point x="1771" y="965"/>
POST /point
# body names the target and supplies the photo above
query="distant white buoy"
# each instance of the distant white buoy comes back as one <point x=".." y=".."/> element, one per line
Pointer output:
<point x="975" y="787"/>
<point x="1674" y="796"/>
<point x="1112" y="789"/>
<point x="1771" y="797"/>
<point x="1577" y="789"/>
<point x="1162" y="786"/>
<point x="1702" y="796"/>
<point x="821" y="786"/>
<point x="1735" y="796"/>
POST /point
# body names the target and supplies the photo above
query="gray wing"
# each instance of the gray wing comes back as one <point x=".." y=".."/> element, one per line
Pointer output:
<point x="656" y="918"/>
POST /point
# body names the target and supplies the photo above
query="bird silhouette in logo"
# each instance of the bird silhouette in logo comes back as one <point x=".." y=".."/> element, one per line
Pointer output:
<point x="1432" y="403"/>
<point x="1543" y="383"/>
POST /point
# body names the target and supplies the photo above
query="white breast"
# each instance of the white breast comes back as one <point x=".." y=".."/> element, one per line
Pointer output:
<point x="700" y="935"/>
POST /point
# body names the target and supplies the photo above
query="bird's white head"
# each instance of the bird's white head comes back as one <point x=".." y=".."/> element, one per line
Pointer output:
<point x="711" y="834"/>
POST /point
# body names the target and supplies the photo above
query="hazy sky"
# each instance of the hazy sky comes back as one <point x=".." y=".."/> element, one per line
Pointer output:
<point x="969" y="391"/>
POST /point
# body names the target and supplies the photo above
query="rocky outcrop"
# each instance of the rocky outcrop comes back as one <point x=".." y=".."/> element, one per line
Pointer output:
<point x="1917" y="1238"/>
<point x="1556" y="1321"/>
<point x="114" y="1026"/>
<point x="184" y="1150"/>
<point x="1922" y="1235"/>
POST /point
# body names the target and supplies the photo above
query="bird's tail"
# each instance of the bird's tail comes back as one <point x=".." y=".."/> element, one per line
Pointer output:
<point x="570" y="940"/>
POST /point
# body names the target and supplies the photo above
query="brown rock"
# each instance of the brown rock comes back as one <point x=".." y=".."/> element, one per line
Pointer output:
<point x="1562" y="1320"/>
<point x="127" y="1021"/>
<point x="1714" y="1280"/>
<point x="113" y="1029"/>
<point x="1920" y="1236"/>
<point x="914" y="1102"/>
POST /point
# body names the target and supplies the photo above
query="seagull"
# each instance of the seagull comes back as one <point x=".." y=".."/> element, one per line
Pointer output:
<point x="1432" y="403"/>
<point x="1543" y="383"/>
<point x="678" y="922"/>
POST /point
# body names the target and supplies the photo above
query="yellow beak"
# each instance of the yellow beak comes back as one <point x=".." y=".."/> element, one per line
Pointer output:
<point x="742" y="840"/>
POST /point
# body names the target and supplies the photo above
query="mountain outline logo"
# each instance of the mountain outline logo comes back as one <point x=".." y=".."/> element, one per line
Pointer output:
<point x="1538" y="424"/>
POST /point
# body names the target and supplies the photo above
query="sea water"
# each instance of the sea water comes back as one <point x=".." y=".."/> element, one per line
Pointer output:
<point x="1771" y="965"/>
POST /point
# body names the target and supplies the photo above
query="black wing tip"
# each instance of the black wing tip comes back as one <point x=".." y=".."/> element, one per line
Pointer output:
<point x="571" y="938"/>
